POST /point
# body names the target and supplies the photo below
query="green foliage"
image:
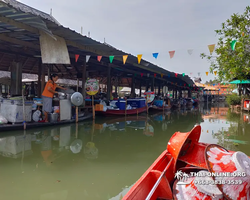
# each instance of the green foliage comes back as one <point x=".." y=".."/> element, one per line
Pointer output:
<point x="233" y="99"/>
<point x="211" y="82"/>
<point x="229" y="63"/>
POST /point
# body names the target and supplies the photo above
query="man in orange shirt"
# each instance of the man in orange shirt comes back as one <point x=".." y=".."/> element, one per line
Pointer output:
<point x="48" y="93"/>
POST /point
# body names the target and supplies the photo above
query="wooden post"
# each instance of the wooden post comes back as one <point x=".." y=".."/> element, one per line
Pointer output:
<point x="39" y="88"/>
<point x="84" y="79"/>
<point x="76" y="114"/>
<point x="43" y="78"/>
<point x="126" y="107"/>
<point x="93" y="107"/>
<point x="24" y="115"/>
<point x="109" y="83"/>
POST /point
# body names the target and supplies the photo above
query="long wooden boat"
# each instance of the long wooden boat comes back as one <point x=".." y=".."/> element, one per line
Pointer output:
<point x="184" y="153"/>
<point x="110" y="112"/>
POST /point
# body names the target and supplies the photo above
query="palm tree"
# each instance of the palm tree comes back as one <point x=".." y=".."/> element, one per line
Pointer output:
<point x="178" y="175"/>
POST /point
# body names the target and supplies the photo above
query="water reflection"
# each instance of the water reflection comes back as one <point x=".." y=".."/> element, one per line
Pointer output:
<point x="101" y="160"/>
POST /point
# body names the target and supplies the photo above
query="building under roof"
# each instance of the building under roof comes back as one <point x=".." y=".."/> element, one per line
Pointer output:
<point x="22" y="34"/>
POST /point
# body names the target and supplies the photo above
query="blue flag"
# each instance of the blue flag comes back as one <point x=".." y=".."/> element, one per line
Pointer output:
<point x="155" y="55"/>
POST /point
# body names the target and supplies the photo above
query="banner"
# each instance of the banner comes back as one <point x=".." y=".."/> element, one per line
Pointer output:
<point x="155" y="55"/>
<point x="190" y="51"/>
<point x="76" y="57"/>
<point x="92" y="86"/>
<point x="215" y="72"/>
<point x="111" y="58"/>
<point x="211" y="48"/>
<point x="139" y="58"/>
<point x="171" y="53"/>
<point x="124" y="59"/>
<point x="87" y="58"/>
<point x="99" y="58"/>
<point x="233" y="43"/>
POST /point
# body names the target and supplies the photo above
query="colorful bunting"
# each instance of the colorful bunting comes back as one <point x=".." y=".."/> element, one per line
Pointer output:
<point x="243" y="34"/>
<point x="139" y="58"/>
<point x="183" y="74"/>
<point x="171" y="53"/>
<point x="211" y="48"/>
<point x="155" y="55"/>
<point x="148" y="74"/>
<point x="190" y="51"/>
<point x="111" y="58"/>
<point x="154" y="75"/>
<point x="207" y="73"/>
<point x="87" y="58"/>
<point x="176" y="75"/>
<point x="141" y="74"/>
<point x="124" y="58"/>
<point x="233" y="43"/>
<point x="99" y="58"/>
<point x="76" y="57"/>
<point x="161" y="75"/>
<point x="215" y="72"/>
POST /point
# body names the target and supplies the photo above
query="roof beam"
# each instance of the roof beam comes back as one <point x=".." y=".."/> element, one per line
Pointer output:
<point x="4" y="37"/>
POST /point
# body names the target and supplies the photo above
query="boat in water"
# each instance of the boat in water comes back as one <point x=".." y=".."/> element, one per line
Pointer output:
<point x="187" y="169"/>
<point x="160" y="105"/>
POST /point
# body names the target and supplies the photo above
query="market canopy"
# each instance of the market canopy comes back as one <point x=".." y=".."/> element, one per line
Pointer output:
<point x="240" y="82"/>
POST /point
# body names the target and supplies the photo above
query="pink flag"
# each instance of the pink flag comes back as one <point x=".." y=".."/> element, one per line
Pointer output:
<point x="99" y="58"/>
<point x="76" y="57"/>
<point x="171" y="53"/>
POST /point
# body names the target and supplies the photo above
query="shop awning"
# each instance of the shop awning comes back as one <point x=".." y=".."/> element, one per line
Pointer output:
<point x="240" y="82"/>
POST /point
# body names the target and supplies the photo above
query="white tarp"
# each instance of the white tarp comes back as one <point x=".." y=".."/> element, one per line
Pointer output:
<point x="53" y="51"/>
<point x="128" y="89"/>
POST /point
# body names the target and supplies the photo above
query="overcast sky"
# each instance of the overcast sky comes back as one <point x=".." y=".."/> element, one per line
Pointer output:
<point x="149" y="26"/>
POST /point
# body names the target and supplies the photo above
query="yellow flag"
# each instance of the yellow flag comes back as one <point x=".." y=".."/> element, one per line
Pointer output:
<point x="215" y="72"/>
<point x="211" y="48"/>
<point x="207" y="73"/>
<point x="161" y="75"/>
<point x="124" y="58"/>
<point x="139" y="58"/>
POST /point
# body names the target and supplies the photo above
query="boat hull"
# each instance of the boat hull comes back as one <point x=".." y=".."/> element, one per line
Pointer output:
<point x="144" y="185"/>
<point x="122" y="112"/>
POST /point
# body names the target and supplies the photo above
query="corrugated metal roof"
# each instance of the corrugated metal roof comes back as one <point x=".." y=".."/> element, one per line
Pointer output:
<point x="22" y="13"/>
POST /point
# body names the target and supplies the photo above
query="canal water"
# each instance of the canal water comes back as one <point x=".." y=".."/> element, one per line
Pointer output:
<point x="102" y="160"/>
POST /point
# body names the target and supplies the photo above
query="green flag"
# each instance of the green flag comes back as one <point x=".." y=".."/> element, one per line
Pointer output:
<point x="233" y="43"/>
<point x="111" y="58"/>
<point x="183" y="74"/>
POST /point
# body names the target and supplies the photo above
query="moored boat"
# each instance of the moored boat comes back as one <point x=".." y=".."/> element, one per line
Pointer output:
<point x="170" y="176"/>
<point x="160" y="105"/>
<point x="113" y="112"/>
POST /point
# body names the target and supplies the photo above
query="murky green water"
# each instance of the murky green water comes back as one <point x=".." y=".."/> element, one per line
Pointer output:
<point x="102" y="160"/>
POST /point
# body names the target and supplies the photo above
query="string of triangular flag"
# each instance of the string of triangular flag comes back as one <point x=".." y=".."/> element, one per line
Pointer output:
<point x="155" y="55"/>
<point x="211" y="48"/>
<point x="125" y="57"/>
